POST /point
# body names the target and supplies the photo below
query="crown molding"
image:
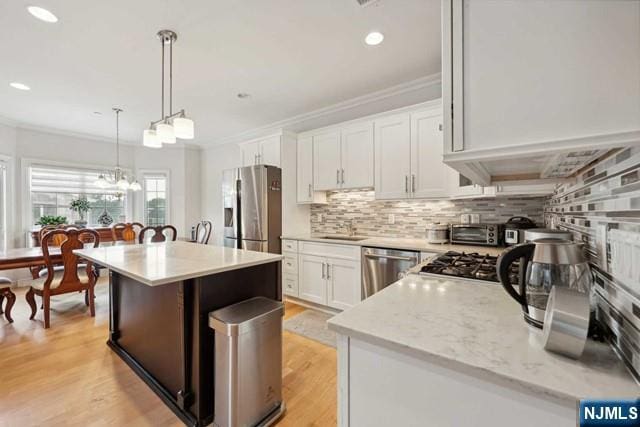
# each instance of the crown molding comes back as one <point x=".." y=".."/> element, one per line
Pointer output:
<point x="55" y="131"/>
<point x="410" y="86"/>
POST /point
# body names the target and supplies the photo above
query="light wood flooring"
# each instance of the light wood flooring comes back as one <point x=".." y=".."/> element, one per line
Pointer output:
<point x="67" y="376"/>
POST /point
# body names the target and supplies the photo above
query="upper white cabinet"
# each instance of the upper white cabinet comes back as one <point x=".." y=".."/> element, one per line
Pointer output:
<point x="408" y="161"/>
<point x="306" y="193"/>
<point x="326" y="161"/>
<point x="526" y="80"/>
<point x="343" y="157"/>
<point x="264" y="151"/>
<point x="392" y="157"/>
<point x="357" y="155"/>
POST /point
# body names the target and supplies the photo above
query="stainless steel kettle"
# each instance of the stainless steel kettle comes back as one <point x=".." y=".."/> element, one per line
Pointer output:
<point x="543" y="264"/>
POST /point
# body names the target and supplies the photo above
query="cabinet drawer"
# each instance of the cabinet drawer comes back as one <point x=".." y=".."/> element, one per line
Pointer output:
<point x="330" y="250"/>
<point x="289" y="246"/>
<point x="290" y="284"/>
<point x="290" y="263"/>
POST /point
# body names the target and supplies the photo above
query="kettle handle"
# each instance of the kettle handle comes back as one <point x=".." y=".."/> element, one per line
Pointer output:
<point x="521" y="219"/>
<point x="508" y="257"/>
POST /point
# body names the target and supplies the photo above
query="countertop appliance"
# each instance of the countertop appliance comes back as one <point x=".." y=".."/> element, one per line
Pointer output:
<point x="534" y="234"/>
<point x="473" y="266"/>
<point x="514" y="229"/>
<point x="437" y="233"/>
<point x="382" y="267"/>
<point x="477" y="234"/>
<point x="252" y="201"/>
<point x="548" y="263"/>
<point x="566" y="322"/>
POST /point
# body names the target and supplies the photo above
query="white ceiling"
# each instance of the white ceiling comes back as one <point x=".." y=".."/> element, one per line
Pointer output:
<point x="292" y="56"/>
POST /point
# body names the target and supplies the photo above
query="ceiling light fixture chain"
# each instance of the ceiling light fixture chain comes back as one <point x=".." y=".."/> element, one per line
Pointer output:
<point x="174" y="125"/>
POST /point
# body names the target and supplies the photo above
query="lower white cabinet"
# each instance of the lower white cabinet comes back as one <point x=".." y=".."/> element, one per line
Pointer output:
<point x="312" y="283"/>
<point x="341" y="277"/>
<point x="290" y="284"/>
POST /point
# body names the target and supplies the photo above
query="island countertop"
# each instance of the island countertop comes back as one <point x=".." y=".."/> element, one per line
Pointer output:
<point x="159" y="263"/>
<point x="477" y="329"/>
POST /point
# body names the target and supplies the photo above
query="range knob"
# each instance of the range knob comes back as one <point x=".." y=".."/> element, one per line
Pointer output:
<point x="490" y="240"/>
<point x="490" y="234"/>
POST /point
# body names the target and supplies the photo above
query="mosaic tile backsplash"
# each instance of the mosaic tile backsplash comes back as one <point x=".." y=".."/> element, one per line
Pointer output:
<point x="601" y="207"/>
<point x="370" y="217"/>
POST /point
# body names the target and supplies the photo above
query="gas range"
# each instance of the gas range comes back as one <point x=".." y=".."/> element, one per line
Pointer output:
<point x="473" y="266"/>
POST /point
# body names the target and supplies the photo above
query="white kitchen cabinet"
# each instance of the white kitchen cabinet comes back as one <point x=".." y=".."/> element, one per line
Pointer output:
<point x="312" y="282"/>
<point x="392" y="157"/>
<point x="290" y="284"/>
<point x="408" y="161"/>
<point x="343" y="283"/>
<point x="306" y="193"/>
<point x="326" y="161"/>
<point x="509" y="116"/>
<point x="264" y="151"/>
<point x="428" y="173"/>
<point x="356" y="167"/>
<point x="461" y="187"/>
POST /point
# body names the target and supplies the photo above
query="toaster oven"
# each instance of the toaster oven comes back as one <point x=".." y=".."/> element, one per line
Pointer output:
<point x="477" y="234"/>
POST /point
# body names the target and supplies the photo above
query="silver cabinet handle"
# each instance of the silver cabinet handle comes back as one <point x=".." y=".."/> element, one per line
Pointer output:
<point x="413" y="183"/>
<point x="406" y="183"/>
<point x="323" y="275"/>
<point x="337" y="176"/>
<point x="328" y="269"/>
<point x="342" y="176"/>
<point x="309" y="190"/>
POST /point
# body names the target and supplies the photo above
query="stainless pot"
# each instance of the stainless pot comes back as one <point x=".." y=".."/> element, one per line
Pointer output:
<point x="437" y="233"/>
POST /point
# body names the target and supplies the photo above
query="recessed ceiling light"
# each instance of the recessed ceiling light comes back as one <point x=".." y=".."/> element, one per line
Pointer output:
<point x="243" y="95"/>
<point x="42" y="14"/>
<point x="20" y="86"/>
<point x="97" y="113"/>
<point x="374" y="38"/>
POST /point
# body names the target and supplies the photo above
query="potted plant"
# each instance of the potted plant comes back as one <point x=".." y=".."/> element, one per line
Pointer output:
<point x="80" y="205"/>
<point x="51" y="220"/>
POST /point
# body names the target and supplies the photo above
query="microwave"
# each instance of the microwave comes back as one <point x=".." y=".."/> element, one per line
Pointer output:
<point x="477" y="234"/>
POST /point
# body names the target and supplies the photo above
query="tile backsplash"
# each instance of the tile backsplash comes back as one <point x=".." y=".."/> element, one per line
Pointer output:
<point x="601" y="207"/>
<point x="371" y="217"/>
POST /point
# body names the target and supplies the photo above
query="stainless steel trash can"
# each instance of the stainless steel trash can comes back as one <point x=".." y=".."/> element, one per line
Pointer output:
<point x="248" y="363"/>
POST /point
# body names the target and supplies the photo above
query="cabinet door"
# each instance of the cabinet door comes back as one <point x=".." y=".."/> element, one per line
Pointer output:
<point x="270" y="151"/>
<point x="326" y="161"/>
<point x="357" y="156"/>
<point x="250" y="153"/>
<point x="305" y="170"/>
<point x="343" y="283"/>
<point x="461" y="187"/>
<point x="312" y="285"/>
<point x="392" y="157"/>
<point x="428" y="172"/>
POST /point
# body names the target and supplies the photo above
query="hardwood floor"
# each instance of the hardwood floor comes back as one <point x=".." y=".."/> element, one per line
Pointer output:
<point x="67" y="376"/>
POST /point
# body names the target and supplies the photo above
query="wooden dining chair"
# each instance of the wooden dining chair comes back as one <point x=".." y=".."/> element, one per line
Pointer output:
<point x="56" y="242"/>
<point x="125" y="231"/>
<point x="73" y="278"/>
<point x="5" y="292"/>
<point x="203" y="232"/>
<point x="158" y="233"/>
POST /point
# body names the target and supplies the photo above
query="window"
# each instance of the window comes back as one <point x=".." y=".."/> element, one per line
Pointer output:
<point x="53" y="188"/>
<point x="155" y="198"/>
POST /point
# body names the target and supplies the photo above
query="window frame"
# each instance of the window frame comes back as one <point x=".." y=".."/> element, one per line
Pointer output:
<point x="149" y="173"/>
<point x="27" y="201"/>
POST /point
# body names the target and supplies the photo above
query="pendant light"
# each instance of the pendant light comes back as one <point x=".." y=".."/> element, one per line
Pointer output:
<point x="118" y="177"/>
<point x="173" y="125"/>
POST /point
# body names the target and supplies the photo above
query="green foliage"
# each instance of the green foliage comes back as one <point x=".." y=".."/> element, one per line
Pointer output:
<point x="80" y="205"/>
<point x="51" y="220"/>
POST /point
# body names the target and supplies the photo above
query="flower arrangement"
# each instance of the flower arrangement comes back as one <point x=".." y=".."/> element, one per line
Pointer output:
<point x="80" y="205"/>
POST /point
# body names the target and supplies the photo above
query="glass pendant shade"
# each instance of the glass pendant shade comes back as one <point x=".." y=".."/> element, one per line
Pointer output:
<point x="101" y="182"/>
<point x="165" y="133"/>
<point x="183" y="128"/>
<point x="122" y="184"/>
<point x="135" y="186"/>
<point x="150" y="139"/>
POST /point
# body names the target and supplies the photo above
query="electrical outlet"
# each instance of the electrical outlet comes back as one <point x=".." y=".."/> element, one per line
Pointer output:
<point x="392" y="219"/>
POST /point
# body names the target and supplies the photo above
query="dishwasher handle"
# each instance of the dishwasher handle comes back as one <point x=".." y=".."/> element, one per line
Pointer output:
<point x="394" y="257"/>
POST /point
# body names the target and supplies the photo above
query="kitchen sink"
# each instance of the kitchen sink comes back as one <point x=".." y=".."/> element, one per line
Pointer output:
<point x="350" y="238"/>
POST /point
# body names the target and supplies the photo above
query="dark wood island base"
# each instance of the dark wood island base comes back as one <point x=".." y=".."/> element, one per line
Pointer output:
<point x="162" y="331"/>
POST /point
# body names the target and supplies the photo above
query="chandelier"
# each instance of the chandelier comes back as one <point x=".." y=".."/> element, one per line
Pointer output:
<point x="117" y="178"/>
<point x="173" y="125"/>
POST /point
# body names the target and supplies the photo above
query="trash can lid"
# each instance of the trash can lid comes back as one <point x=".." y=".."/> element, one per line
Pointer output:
<point x="241" y="317"/>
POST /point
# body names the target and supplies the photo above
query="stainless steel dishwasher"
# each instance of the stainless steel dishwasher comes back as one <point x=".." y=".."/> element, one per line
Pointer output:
<point x="382" y="267"/>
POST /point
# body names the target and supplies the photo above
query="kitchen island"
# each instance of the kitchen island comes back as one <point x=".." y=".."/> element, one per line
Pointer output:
<point x="160" y="295"/>
<point x="450" y="352"/>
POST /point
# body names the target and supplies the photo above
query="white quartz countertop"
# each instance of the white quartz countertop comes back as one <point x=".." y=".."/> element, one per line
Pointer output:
<point x="401" y="243"/>
<point x="160" y="263"/>
<point x="478" y="329"/>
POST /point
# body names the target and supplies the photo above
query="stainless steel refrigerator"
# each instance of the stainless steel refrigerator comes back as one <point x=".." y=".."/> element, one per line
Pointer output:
<point x="253" y="208"/>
